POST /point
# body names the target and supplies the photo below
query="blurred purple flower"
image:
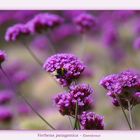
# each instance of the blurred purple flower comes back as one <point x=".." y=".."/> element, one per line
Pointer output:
<point x="70" y="14"/>
<point x="122" y="15"/>
<point x="43" y="21"/>
<point x="17" y="72"/>
<point x="110" y="35"/>
<point x="91" y="121"/>
<point x="2" y="56"/>
<point x="68" y="31"/>
<point x="5" y="96"/>
<point x="79" y="94"/>
<point x="40" y="43"/>
<point x="15" y="32"/>
<point x="85" y="22"/>
<point x="6" y="114"/>
<point x="65" y="68"/>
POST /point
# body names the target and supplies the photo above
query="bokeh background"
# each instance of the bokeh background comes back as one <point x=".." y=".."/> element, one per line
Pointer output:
<point x="109" y="47"/>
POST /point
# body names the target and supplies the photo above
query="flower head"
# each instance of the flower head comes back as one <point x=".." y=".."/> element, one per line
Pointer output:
<point x="124" y="85"/>
<point x="65" y="68"/>
<point x="79" y="94"/>
<point x="43" y="21"/>
<point x="91" y="121"/>
<point x="84" y="22"/>
<point x="15" y="32"/>
<point x="111" y="36"/>
<point x="5" y="96"/>
<point x="2" y="56"/>
<point x="6" y="114"/>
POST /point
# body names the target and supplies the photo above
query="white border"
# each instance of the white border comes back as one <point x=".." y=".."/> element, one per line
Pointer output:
<point x="69" y="4"/>
<point x="86" y="135"/>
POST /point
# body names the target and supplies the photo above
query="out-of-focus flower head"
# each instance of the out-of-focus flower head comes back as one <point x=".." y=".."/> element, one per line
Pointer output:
<point x="87" y="73"/>
<point x="2" y="56"/>
<point x="5" y="96"/>
<point x="24" y="15"/>
<point x="79" y="94"/>
<point x="17" y="72"/>
<point x="70" y="14"/>
<point x="122" y="15"/>
<point x="6" y="114"/>
<point x="123" y="85"/>
<point x="110" y="34"/>
<point x="68" y="31"/>
<point x="40" y="43"/>
<point x="65" y="67"/>
<point x="85" y="22"/>
<point x="137" y="43"/>
<point x="15" y="32"/>
<point x="91" y="121"/>
<point x="43" y="22"/>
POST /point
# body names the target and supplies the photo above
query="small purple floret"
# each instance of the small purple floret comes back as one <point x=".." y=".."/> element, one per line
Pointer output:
<point x="91" y="121"/>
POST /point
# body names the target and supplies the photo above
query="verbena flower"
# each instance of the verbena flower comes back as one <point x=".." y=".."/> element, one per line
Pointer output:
<point x="91" y="121"/>
<point x="15" y="32"/>
<point x="85" y="22"/>
<point x="43" y="22"/>
<point x="123" y="85"/>
<point x="6" y="114"/>
<point x="18" y="73"/>
<point x="68" y="32"/>
<point x="2" y="56"/>
<point x="111" y="36"/>
<point x="5" y="96"/>
<point x="65" y="67"/>
<point x="79" y="94"/>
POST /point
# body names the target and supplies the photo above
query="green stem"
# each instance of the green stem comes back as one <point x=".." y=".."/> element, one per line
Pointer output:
<point x="70" y="122"/>
<point x="51" y="45"/>
<point x="83" y="45"/>
<point x="76" y="117"/>
<point x="26" y="101"/>
<point x="32" y="54"/>
<point x="123" y="112"/>
<point x="130" y="114"/>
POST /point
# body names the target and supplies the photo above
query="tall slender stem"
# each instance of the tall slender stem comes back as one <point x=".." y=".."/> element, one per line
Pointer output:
<point x="14" y="102"/>
<point x="76" y="118"/>
<point x="70" y="122"/>
<point x="32" y="54"/>
<point x="83" y="45"/>
<point x="51" y="45"/>
<point x="123" y="112"/>
<point x="130" y="114"/>
<point x="26" y="101"/>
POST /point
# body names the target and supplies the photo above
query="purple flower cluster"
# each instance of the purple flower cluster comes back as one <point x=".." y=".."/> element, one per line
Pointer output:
<point x="85" y="22"/>
<point x="5" y="96"/>
<point x="91" y="121"/>
<point x="17" y="72"/>
<point x="65" y="68"/>
<point x="2" y="56"/>
<point x="79" y="94"/>
<point x="39" y="23"/>
<point x="15" y="32"/>
<point x="123" y="85"/>
<point x="6" y="114"/>
<point x="44" y="21"/>
<point x="111" y="36"/>
<point x="68" y="31"/>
